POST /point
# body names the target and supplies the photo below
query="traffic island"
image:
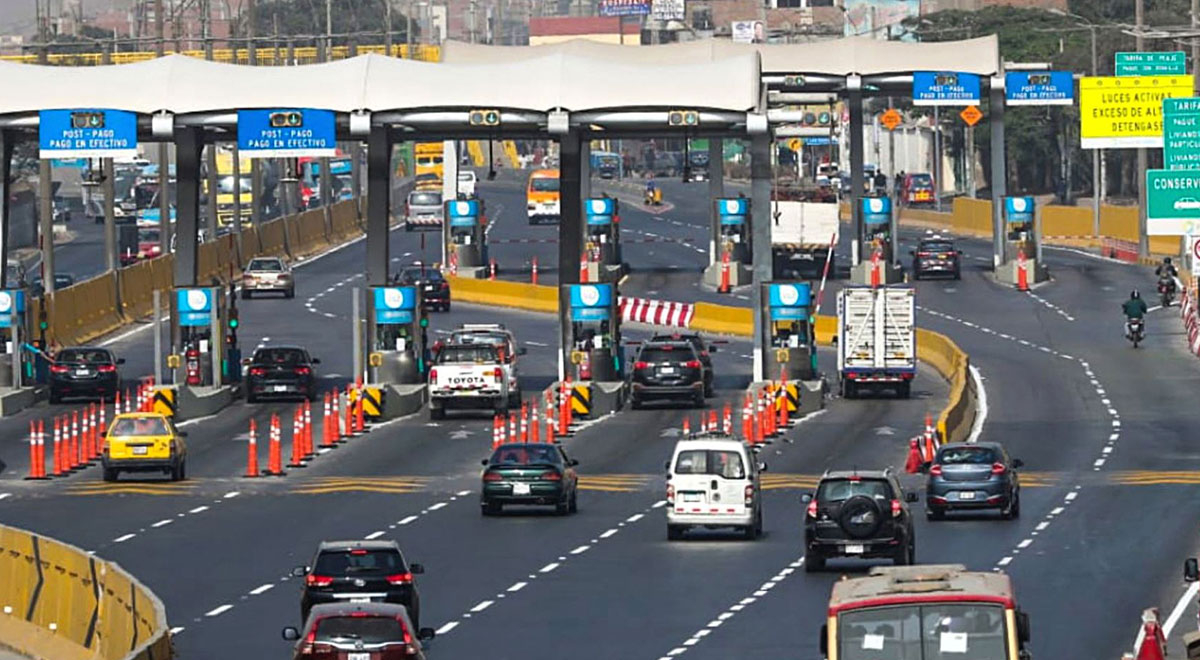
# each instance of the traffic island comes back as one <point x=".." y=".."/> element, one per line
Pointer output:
<point x="867" y="273"/>
<point x="15" y="399"/>
<point x="385" y="402"/>
<point x="193" y="401"/>
<point x="1022" y="274"/>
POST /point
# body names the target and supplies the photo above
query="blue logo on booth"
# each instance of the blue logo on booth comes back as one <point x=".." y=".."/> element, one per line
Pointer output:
<point x="590" y="302"/>
<point x="1018" y="209"/>
<point x="463" y="213"/>
<point x="395" y="304"/>
<point x="789" y="301"/>
<point x="600" y="210"/>
<point x="87" y="133"/>
<point x="876" y="210"/>
<point x="194" y="307"/>
<point x="733" y="211"/>
<point x="11" y="300"/>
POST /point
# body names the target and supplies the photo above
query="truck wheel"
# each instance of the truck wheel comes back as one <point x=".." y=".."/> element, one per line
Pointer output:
<point x="110" y="474"/>
<point x="849" y="390"/>
<point x="500" y="407"/>
<point x="813" y="561"/>
<point x="437" y="413"/>
<point x="904" y="390"/>
<point x="674" y="532"/>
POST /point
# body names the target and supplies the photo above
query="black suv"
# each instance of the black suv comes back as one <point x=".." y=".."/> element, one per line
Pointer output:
<point x="347" y="571"/>
<point x="666" y="370"/>
<point x="936" y="256"/>
<point x="84" y="371"/>
<point x="281" y="372"/>
<point x="858" y="514"/>
<point x="435" y="290"/>
<point x="702" y="348"/>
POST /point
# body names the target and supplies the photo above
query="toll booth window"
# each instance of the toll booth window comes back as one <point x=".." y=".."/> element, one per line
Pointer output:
<point x="973" y="631"/>
<point x="81" y="356"/>
<point x="143" y="426"/>
<point x="429" y="161"/>
<point x="477" y="353"/>
<point x="266" y="265"/>
<point x="727" y="464"/>
<point x="526" y="456"/>
<point x="392" y="337"/>
<point x="280" y="356"/>
<point x="793" y="335"/>
<point x="544" y="184"/>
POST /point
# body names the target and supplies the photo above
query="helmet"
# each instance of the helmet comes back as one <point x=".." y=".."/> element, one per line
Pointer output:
<point x="1166" y="260"/>
<point x="1134" y="294"/>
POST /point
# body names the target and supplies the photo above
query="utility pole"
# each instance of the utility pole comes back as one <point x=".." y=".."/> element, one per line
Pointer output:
<point x="166" y="229"/>
<point x="387" y="21"/>
<point x="328" y="30"/>
<point x="1143" y="239"/>
<point x="499" y="33"/>
<point x="408" y="27"/>
<point x="1097" y="154"/>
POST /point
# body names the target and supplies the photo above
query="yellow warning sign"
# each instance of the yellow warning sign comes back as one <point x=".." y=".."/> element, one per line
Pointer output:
<point x="795" y="143"/>
<point x="1126" y="111"/>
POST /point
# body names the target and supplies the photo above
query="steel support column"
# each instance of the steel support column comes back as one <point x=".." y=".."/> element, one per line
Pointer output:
<point x="999" y="172"/>
<point x="570" y="233"/>
<point x="379" y="195"/>
<point x="210" y="216"/>
<point x="716" y="190"/>
<point x="760" y="237"/>
<point x="110" y="220"/>
<point x="189" y="148"/>
<point x="6" y="151"/>
<point x="854" y="98"/>
<point x="46" y="223"/>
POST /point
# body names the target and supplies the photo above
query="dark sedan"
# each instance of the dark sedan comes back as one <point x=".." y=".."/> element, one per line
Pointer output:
<point x="84" y="372"/>
<point x="281" y="372"/>
<point x="519" y="473"/>
<point x="435" y="290"/>
<point x="978" y="475"/>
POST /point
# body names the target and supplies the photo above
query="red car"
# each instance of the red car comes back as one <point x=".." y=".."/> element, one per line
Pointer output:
<point x="917" y="190"/>
<point x="358" y="631"/>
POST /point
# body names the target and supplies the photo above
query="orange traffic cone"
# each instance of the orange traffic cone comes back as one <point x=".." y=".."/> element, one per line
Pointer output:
<point x="1153" y="643"/>
<point x="913" y="465"/>
<point x="727" y="419"/>
<point x="687" y="427"/>
<point x="252" y="451"/>
<point x="534" y="426"/>
<point x="275" y="452"/>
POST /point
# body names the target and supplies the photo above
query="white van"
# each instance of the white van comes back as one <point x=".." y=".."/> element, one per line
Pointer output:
<point x="713" y="481"/>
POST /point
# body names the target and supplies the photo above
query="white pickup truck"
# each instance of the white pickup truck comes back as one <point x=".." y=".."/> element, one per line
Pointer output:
<point x="497" y="335"/>
<point x="468" y="376"/>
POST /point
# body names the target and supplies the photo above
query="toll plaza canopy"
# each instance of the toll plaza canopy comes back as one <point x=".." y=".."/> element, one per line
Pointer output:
<point x="568" y="81"/>
<point x="839" y="57"/>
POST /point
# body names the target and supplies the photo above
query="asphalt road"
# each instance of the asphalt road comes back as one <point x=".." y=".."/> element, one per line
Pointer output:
<point x="1104" y="430"/>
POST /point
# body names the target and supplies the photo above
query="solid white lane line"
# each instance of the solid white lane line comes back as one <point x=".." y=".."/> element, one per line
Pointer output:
<point x="1188" y="596"/>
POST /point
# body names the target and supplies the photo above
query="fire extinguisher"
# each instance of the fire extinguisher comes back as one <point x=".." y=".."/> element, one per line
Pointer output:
<point x="585" y="366"/>
<point x="192" y="357"/>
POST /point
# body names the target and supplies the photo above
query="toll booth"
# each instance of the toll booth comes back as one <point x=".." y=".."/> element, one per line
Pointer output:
<point x="790" y="336"/>
<point x="396" y="335"/>
<point x="730" y="252"/>
<point x="465" y="237"/>
<point x="595" y="333"/>
<point x="603" y="240"/>
<point x="877" y="250"/>
<point x="14" y="332"/>
<point x="1022" y="265"/>
<point x="198" y="353"/>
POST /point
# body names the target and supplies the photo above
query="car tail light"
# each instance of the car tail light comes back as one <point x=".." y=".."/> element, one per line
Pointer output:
<point x="58" y="368"/>
<point x="551" y="475"/>
<point x="935" y="470"/>
<point x="924" y="254"/>
<point x="896" y="509"/>
<point x="498" y="373"/>
<point x="407" y="635"/>
<point x="670" y="494"/>
<point x="493" y="476"/>
<point x="400" y="578"/>
<point x="851" y="376"/>
<point x="258" y="371"/>
<point x="107" y="368"/>
<point x="812" y="509"/>
<point x="154" y="249"/>
<point x="998" y="468"/>
<point x="433" y="376"/>
<point x="358" y="553"/>
<point x="303" y="371"/>
<point x="318" y="580"/>
<point x="693" y="364"/>
<point x="749" y="495"/>
<point x="641" y="365"/>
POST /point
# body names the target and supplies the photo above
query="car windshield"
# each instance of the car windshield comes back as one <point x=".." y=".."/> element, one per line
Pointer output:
<point x="665" y="354"/>
<point x="84" y="356"/>
<point x="148" y="235"/>
<point x="966" y="456"/>
<point x="477" y="353"/>
<point x="135" y="426"/>
<point x="62" y="281"/>
<point x="466" y="176"/>
<point x="416" y="274"/>
<point x="838" y="490"/>
<point x="921" y="181"/>
<point x="477" y="337"/>
<point x="280" y="356"/>
<point x="936" y="631"/>
<point x="940" y="246"/>
<point x="544" y="184"/>
<point x="365" y="629"/>
<point x="360" y="562"/>
<point x="12" y="273"/>
<point x="266" y="265"/>
<point x="721" y="462"/>
<point x="526" y="456"/>
<point x="425" y="199"/>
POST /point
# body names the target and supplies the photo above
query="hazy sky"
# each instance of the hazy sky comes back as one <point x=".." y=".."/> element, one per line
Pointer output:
<point x="17" y="15"/>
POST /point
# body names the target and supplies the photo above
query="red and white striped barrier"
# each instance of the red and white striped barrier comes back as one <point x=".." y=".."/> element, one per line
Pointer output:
<point x="1115" y="248"/>
<point x="1191" y="319"/>
<point x="656" y="312"/>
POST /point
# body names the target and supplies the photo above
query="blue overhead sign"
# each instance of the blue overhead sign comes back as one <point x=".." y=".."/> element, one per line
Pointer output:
<point x="87" y="133"/>
<point x="1039" y="88"/>
<point x="395" y="304"/>
<point x="194" y="307"/>
<point x="286" y="133"/>
<point x="945" y="88"/>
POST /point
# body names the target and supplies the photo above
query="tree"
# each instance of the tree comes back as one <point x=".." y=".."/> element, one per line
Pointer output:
<point x="306" y="18"/>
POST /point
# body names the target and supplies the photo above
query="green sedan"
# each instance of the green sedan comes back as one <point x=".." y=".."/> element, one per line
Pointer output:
<point x="521" y="473"/>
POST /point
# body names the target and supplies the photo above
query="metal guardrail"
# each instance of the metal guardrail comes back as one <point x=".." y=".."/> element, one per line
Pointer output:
<point x="266" y="56"/>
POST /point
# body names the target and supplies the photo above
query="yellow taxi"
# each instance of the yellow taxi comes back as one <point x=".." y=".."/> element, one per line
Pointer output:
<point x="144" y="442"/>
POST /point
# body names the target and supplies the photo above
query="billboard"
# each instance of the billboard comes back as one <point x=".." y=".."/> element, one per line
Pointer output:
<point x="668" y="10"/>
<point x="624" y="7"/>
<point x="749" y="32"/>
<point x="1126" y="112"/>
<point x="877" y="18"/>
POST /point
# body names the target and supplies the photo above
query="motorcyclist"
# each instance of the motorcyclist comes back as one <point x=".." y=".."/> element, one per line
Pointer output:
<point x="1134" y="309"/>
<point x="1166" y="268"/>
<point x="651" y="191"/>
<point x="1166" y="273"/>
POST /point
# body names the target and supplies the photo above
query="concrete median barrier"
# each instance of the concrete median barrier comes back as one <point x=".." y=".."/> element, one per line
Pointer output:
<point x="505" y="294"/>
<point x="60" y="602"/>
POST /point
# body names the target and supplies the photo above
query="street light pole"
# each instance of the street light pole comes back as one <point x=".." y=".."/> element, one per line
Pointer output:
<point x="1097" y="154"/>
<point x="1143" y="239"/>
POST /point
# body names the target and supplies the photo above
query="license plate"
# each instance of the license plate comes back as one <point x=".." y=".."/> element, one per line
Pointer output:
<point x="358" y="656"/>
<point x="140" y="451"/>
<point x="966" y="495"/>
<point x="520" y="489"/>
<point x="280" y="388"/>
<point x="854" y="549"/>
<point x="691" y="497"/>
<point x="667" y="370"/>
<point x="82" y="372"/>
<point x="360" y="600"/>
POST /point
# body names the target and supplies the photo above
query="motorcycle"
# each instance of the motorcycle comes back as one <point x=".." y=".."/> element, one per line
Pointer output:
<point x="1166" y="290"/>
<point x="1135" y="331"/>
<point x="653" y="197"/>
